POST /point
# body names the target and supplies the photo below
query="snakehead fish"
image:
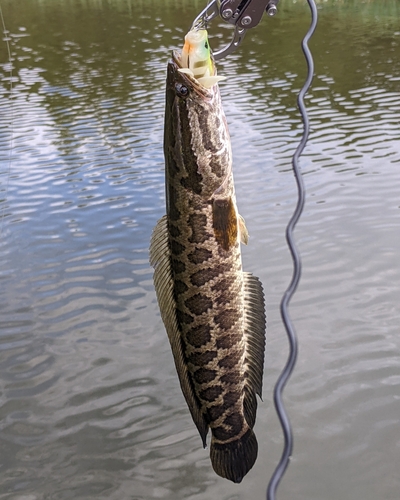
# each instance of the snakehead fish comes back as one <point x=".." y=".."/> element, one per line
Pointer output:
<point x="212" y="310"/>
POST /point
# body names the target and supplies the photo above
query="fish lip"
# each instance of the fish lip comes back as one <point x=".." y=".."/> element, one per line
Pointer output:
<point x="186" y="79"/>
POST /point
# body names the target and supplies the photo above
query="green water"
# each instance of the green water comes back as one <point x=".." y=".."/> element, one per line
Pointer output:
<point x="90" y="405"/>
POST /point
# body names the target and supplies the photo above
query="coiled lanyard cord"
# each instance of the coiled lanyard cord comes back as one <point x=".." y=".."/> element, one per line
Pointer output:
<point x="284" y="377"/>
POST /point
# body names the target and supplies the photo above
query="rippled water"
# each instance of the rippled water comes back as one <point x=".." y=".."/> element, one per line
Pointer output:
<point x="90" y="403"/>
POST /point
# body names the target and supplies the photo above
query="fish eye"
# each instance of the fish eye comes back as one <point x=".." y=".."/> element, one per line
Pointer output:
<point x="206" y="45"/>
<point x="181" y="90"/>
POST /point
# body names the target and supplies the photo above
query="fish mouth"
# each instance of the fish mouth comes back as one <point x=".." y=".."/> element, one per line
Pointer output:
<point x="186" y="78"/>
<point x="203" y="86"/>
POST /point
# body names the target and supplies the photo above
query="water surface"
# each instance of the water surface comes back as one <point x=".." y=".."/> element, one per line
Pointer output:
<point x="90" y="402"/>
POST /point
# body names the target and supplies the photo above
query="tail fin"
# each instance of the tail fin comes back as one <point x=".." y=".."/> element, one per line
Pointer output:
<point x="234" y="459"/>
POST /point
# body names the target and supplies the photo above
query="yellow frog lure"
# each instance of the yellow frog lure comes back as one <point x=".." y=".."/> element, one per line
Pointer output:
<point x="196" y="59"/>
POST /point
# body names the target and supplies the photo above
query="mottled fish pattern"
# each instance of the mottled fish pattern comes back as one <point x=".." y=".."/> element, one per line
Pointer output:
<point x="212" y="310"/>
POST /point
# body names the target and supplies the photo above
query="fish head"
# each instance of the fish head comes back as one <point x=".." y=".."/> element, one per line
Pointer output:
<point x="184" y="84"/>
<point x="196" y="133"/>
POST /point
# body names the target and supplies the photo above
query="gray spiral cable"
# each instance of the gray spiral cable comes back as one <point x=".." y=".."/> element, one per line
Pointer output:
<point x="284" y="377"/>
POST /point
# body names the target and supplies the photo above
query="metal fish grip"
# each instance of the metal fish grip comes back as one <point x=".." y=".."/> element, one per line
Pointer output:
<point x="242" y="14"/>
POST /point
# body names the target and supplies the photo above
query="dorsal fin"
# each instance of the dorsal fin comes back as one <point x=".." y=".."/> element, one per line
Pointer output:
<point x="161" y="261"/>
<point x="255" y="342"/>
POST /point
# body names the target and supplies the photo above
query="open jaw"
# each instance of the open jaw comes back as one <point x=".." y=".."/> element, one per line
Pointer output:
<point x="205" y="81"/>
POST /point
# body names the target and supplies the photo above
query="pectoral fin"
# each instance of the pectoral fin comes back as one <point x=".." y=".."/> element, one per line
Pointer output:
<point x="244" y="234"/>
<point x="160" y="259"/>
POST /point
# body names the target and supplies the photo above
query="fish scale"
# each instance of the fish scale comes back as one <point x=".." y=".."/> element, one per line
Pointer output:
<point x="213" y="311"/>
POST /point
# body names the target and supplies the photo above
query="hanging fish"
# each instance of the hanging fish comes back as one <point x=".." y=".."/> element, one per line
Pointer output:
<point x="213" y="311"/>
